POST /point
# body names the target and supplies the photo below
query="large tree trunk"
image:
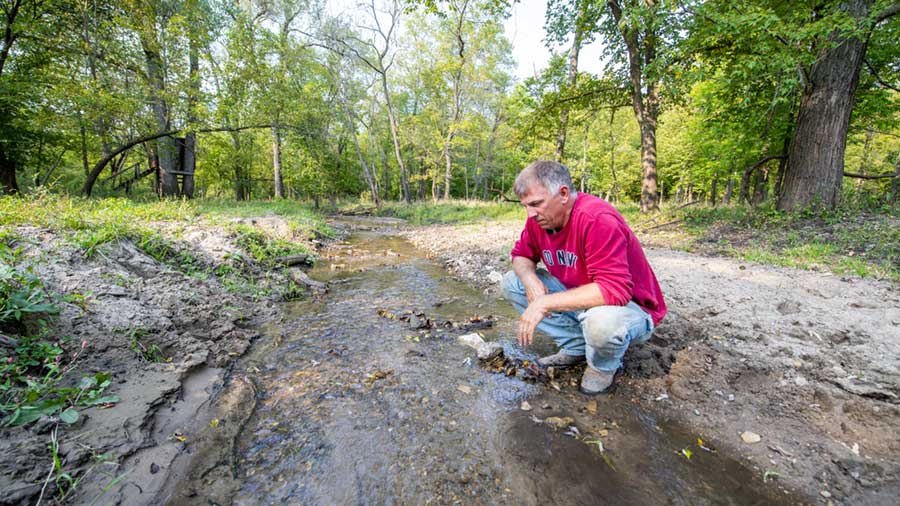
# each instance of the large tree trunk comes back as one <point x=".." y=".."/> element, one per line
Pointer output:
<point x="165" y="146"/>
<point x="646" y="107"/>
<point x="816" y="161"/>
<point x="190" y="139"/>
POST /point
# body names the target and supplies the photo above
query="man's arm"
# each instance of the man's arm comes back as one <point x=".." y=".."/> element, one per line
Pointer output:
<point x="583" y="297"/>
<point x="526" y="270"/>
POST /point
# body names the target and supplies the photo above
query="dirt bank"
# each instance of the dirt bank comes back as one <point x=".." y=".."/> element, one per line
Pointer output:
<point x="167" y="336"/>
<point x="807" y="361"/>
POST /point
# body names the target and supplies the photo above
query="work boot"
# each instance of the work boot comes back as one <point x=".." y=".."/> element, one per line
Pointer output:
<point x="595" y="382"/>
<point x="560" y="360"/>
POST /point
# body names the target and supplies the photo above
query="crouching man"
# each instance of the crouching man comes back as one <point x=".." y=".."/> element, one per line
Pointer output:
<point x="599" y="295"/>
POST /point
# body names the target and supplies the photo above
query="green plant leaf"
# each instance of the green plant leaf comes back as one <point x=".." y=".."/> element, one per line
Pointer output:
<point x="69" y="416"/>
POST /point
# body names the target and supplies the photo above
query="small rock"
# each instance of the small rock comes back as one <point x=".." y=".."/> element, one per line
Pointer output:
<point x="591" y="407"/>
<point x="750" y="437"/>
<point x="661" y="397"/>
<point x="546" y="406"/>
<point x="154" y="468"/>
<point x="525" y="406"/>
<point x="489" y="351"/>
<point x="800" y="381"/>
<point x="559" y="422"/>
<point x="494" y="277"/>
<point x="730" y="397"/>
<point x="473" y="340"/>
<point x="696" y="412"/>
<point x="824" y="493"/>
<point x="466" y="389"/>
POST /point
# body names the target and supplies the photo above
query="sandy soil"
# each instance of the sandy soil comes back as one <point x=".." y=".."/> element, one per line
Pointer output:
<point x="169" y="408"/>
<point x="806" y="360"/>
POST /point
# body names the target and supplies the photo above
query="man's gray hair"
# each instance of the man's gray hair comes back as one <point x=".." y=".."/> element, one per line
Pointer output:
<point x="552" y="175"/>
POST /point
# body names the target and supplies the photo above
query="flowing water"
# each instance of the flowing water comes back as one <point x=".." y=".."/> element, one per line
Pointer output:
<point x="360" y="409"/>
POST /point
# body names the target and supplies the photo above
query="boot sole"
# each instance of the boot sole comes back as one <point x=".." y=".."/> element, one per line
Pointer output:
<point x="608" y="390"/>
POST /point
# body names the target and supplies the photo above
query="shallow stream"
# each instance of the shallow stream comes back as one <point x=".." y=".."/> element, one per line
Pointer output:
<point x="357" y="408"/>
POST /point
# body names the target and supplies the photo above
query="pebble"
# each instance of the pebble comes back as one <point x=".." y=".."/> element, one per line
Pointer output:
<point x="750" y="437"/>
<point x="525" y="406"/>
<point x="824" y="493"/>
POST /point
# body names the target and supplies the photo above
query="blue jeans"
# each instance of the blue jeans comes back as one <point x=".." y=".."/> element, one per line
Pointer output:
<point x="601" y="334"/>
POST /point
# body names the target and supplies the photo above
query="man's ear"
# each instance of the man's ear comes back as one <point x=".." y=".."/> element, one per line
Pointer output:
<point x="564" y="193"/>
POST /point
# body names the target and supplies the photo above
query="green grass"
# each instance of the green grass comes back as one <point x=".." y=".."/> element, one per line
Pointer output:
<point x="453" y="211"/>
<point x="851" y="241"/>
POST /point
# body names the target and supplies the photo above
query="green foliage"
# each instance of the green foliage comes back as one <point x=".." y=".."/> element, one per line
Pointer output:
<point x="137" y="344"/>
<point x="262" y="247"/>
<point x="28" y="399"/>
<point x="21" y="291"/>
<point x="452" y="212"/>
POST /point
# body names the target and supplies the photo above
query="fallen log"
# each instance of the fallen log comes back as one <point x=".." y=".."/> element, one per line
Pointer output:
<point x="299" y="259"/>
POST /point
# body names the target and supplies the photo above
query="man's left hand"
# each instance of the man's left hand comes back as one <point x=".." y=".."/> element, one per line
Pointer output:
<point x="531" y="317"/>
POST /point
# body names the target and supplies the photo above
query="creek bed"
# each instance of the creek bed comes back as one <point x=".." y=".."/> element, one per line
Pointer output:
<point x="356" y="408"/>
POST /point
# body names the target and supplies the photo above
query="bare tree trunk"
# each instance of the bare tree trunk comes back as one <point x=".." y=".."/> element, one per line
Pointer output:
<point x="612" y="155"/>
<point x="728" y="191"/>
<point x="816" y="162"/>
<point x="190" y="138"/>
<point x="457" y="91"/>
<point x="895" y="183"/>
<point x="489" y="158"/>
<point x="645" y="103"/>
<point x="395" y="136"/>
<point x="165" y="146"/>
<point x="713" y="190"/>
<point x="276" y="161"/>
<point x="571" y="80"/>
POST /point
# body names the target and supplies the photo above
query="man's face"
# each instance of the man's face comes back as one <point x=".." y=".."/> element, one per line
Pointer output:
<point x="549" y="211"/>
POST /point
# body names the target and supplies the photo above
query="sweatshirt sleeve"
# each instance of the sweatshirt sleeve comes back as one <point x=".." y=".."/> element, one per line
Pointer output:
<point x="526" y="247"/>
<point x="606" y="259"/>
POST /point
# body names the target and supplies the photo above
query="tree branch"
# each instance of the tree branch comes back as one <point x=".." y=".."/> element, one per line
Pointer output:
<point x="100" y="165"/>
<point x="864" y="176"/>
<point x="878" y="77"/>
<point x="893" y="10"/>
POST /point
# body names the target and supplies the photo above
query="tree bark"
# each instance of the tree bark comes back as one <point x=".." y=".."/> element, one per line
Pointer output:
<point x="713" y="190"/>
<point x="190" y="139"/>
<point x="816" y="161"/>
<point x="612" y="156"/>
<point x="457" y="91"/>
<point x="276" y="162"/>
<point x="8" y="173"/>
<point x="165" y="147"/>
<point x="571" y="79"/>
<point x="895" y="184"/>
<point x="646" y="107"/>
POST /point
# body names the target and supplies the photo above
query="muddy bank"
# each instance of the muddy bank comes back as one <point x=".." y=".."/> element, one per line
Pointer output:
<point x="168" y="338"/>
<point x="807" y="361"/>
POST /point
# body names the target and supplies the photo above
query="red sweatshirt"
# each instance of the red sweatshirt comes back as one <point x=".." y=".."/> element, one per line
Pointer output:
<point x="596" y="246"/>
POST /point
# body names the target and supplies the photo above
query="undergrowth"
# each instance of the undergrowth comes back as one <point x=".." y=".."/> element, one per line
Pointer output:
<point x="861" y="242"/>
<point x="453" y="211"/>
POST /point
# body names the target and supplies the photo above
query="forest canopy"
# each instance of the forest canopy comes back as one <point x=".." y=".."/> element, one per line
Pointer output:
<point x="796" y="103"/>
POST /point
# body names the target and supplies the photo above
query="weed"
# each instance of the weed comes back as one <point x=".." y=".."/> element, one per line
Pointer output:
<point x="136" y="343"/>
<point x="21" y="291"/>
<point x="79" y="299"/>
<point x="262" y="247"/>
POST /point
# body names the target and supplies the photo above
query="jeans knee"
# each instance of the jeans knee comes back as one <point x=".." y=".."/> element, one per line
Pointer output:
<point x="511" y="284"/>
<point x="604" y="325"/>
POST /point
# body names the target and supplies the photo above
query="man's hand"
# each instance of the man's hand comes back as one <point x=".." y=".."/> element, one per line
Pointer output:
<point x="531" y="317"/>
